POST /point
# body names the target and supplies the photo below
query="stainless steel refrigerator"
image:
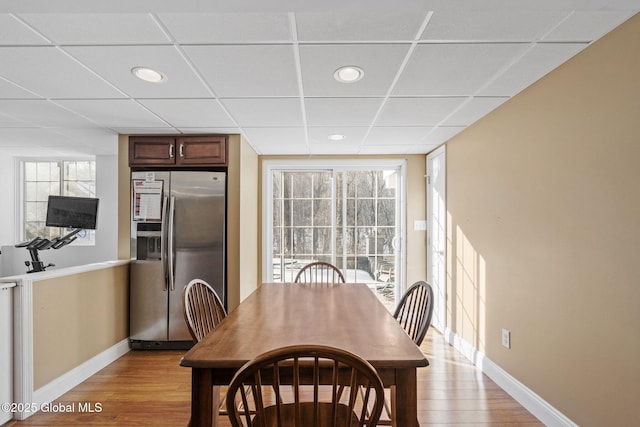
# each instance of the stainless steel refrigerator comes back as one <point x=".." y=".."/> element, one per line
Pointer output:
<point x="177" y="234"/>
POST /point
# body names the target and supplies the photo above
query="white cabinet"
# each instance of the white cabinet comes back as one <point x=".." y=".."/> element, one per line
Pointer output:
<point x="6" y="348"/>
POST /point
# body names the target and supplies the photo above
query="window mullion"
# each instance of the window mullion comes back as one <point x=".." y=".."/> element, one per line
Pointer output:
<point x="61" y="166"/>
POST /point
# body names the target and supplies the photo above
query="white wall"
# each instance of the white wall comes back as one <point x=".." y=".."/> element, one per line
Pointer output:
<point x="12" y="259"/>
<point x="7" y="197"/>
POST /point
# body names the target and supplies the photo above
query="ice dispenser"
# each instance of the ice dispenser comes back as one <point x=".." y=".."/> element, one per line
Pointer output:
<point x="148" y="241"/>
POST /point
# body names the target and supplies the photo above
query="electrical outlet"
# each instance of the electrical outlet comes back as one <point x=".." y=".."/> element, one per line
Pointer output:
<point x="506" y="338"/>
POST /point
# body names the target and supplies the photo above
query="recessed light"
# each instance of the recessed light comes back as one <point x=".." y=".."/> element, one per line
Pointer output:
<point x="336" y="137"/>
<point x="148" y="75"/>
<point x="348" y="74"/>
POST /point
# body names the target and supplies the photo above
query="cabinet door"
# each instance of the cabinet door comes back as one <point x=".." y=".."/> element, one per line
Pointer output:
<point x="152" y="150"/>
<point x="202" y="150"/>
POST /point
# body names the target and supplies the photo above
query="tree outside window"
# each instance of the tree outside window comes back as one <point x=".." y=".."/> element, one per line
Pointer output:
<point x="345" y="217"/>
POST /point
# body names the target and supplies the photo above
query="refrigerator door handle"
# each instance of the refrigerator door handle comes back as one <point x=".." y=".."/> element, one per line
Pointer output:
<point x="170" y="250"/>
<point x="163" y="242"/>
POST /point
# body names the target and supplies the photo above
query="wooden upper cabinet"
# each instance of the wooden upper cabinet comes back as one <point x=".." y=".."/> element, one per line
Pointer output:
<point x="201" y="150"/>
<point x="152" y="150"/>
<point x="191" y="150"/>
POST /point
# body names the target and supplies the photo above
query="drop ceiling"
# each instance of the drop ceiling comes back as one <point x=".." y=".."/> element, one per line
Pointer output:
<point x="66" y="86"/>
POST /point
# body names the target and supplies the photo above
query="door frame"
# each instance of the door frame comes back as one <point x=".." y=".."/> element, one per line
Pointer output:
<point x="439" y="254"/>
<point x="268" y="166"/>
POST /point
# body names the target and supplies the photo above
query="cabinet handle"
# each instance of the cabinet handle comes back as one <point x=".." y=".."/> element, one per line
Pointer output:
<point x="171" y="151"/>
<point x="181" y="150"/>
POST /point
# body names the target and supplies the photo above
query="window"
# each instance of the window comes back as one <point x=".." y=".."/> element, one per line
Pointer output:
<point x="346" y="214"/>
<point x="43" y="178"/>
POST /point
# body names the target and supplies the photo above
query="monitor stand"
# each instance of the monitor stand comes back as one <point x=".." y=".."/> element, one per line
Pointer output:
<point x="41" y="243"/>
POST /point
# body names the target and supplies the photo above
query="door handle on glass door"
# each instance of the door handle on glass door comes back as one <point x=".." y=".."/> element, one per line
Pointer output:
<point x="395" y="243"/>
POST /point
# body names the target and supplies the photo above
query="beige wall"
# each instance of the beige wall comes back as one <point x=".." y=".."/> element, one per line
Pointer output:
<point x="416" y="256"/>
<point x="544" y="209"/>
<point x="124" y="198"/>
<point x="242" y="221"/>
<point x="77" y="317"/>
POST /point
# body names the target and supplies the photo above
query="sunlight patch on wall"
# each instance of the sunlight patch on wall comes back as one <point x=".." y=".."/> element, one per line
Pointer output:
<point x="469" y="288"/>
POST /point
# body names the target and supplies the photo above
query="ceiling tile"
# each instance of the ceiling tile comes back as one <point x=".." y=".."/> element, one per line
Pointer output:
<point x="341" y="111"/>
<point x="442" y="134"/>
<point x="9" y="90"/>
<point x="400" y="24"/>
<point x="319" y="136"/>
<point x="113" y="112"/>
<point x="248" y="70"/>
<point x="181" y="81"/>
<point x="279" y="149"/>
<point x="340" y="148"/>
<point x="472" y="110"/>
<point x="10" y="122"/>
<point x="491" y="25"/>
<point x="42" y="143"/>
<point x="421" y="149"/>
<point x="189" y="112"/>
<point x="141" y="130"/>
<point x="538" y="61"/>
<point x="14" y="32"/>
<point x="588" y="25"/>
<point x="454" y="69"/>
<point x="44" y="137"/>
<point x="265" y="112"/>
<point x="64" y="77"/>
<point x="98" y="140"/>
<point x="219" y="130"/>
<point x="397" y="135"/>
<point x="41" y="113"/>
<point x="227" y="27"/>
<point x="393" y="149"/>
<point x="417" y="111"/>
<point x="277" y="141"/>
<point x="97" y="28"/>
<point x="380" y="63"/>
<point x="269" y="75"/>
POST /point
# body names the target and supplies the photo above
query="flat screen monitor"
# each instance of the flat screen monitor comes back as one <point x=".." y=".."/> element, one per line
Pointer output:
<point x="72" y="212"/>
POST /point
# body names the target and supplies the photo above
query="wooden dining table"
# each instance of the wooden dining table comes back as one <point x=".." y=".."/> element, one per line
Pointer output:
<point x="347" y="316"/>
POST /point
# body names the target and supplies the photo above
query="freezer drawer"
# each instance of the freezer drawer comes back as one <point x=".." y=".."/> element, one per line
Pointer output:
<point x="148" y="302"/>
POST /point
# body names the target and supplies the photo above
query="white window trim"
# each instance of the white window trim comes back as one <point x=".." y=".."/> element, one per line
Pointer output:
<point x="19" y="193"/>
<point x="268" y="166"/>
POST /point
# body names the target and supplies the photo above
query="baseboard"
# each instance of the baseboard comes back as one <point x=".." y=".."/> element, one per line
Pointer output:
<point x="539" y="407"/>
<point x="62" y="384"/>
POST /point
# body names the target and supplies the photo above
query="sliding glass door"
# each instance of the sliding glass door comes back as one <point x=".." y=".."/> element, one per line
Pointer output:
<point x="346" y="214"/>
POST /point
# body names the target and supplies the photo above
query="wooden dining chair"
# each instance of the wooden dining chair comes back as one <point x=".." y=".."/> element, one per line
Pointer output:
<point x="413" y="312"/>
<point x="203" y="311"/>
<point x="319" y="272"/>
<point x="202" y="308"/>
<point x="312" y="374"/>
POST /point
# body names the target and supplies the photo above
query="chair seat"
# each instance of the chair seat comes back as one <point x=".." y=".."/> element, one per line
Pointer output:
<point x="345" y="417"/>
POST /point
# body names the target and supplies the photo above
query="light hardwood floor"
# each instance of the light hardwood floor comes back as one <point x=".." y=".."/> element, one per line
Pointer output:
<point x="148" y="388"/>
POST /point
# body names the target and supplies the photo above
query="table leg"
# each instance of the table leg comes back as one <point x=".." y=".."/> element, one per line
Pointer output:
<point x="406" y="401"/>
<point x="202" y="399"/>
